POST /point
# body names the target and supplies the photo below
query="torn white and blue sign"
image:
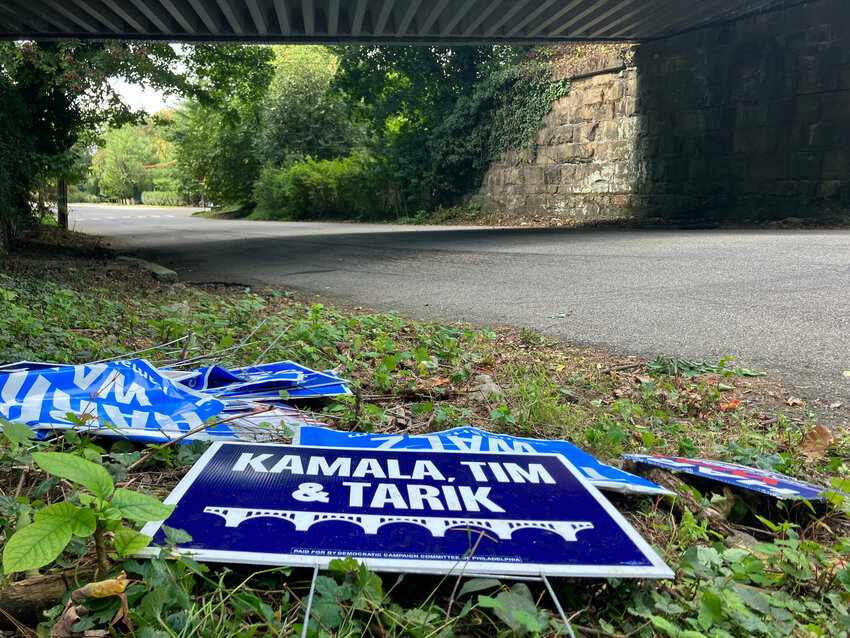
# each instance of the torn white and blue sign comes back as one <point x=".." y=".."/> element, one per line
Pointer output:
<point x="422" y="511"/>
<point x="131" y="399"/>
<point x="130" y="395"/>
<point x="750" y="478"/>
<point x="268" y="382"/>
<point x="469" y="439"/>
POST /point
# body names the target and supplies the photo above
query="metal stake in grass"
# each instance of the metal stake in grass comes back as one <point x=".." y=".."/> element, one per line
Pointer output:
<point x="310" y="602"/>
<point x="557" y="605"/>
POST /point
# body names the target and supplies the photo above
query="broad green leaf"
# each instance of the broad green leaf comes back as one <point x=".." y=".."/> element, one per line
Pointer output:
<point x="90" y="475"/>
<point x="140" y="507"/>
<point x="527" y="620"/>
<point x="844" y="578"/>
<point x="710" y="611"/>
<point x="477" y="584"/>
<point x="82" y="520"/>
<point x="665" y="626"/>
<point x="753" y="599"/>
<point x="129" y="541"/>
<point x="513" y="602"/>
<point x="489" y="603"/>
<point x="36" y="545"/>
<point x="17" y="433"/>
<point x="175" y="536"/>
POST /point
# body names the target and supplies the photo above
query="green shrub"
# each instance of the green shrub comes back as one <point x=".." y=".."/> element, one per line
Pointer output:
<point x="162" y="198"/>
<point x="340" y="188"/>
<point x="77" y="196"/>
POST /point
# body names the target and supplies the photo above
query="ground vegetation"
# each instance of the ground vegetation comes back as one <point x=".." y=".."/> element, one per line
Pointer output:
<point x="745" y="564"/>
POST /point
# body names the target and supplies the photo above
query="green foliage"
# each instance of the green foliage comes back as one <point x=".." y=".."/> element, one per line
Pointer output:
<point x="53" y="526"/>
<point x="163" y="198"/>
<point x="403" y="94"/>
<point x="300" y="117"/>
<point x="117" y="166"/>
<point x="311" y="189"/>
<point x="504" y="111"/>
<point x="18" y="166"/>
<point x="214" y="134"/>
<point x="54" y="95"/>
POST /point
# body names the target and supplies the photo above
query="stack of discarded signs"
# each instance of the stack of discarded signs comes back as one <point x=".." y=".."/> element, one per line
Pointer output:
<point x="133" y="399"/>
<point x="460" y="500"/>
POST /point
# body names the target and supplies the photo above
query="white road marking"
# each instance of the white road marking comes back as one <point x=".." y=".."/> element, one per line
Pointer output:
<point x="110" y="218"/>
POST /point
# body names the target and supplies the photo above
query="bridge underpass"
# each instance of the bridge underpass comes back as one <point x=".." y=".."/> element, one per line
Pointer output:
<point x="735" y="105"/>
<point x="367" y="21"/>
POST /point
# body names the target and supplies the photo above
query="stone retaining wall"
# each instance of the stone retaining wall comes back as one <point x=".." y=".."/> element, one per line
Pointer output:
<point x="747" y="118"/>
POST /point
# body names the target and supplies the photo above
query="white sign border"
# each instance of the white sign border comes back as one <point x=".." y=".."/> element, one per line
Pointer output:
<point x="657" y="569"/>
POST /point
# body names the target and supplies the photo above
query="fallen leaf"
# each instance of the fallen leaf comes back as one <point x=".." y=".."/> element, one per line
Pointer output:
<point x="103" y="588"/>
<point x="837" y="404"/>
<point x="732" y="405"/>
<point x="438" y="382"/>
<point x="814" y="444"/>
<point x="794" y="402"/>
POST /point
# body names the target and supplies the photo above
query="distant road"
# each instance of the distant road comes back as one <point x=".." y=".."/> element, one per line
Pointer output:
<point x="779" y="300"/>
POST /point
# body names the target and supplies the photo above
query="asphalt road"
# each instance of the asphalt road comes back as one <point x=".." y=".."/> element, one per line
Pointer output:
<point x="778" y="300"/>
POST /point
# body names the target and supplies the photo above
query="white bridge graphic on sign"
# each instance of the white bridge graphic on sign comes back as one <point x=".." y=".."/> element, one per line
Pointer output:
<point x="371" y="523"/>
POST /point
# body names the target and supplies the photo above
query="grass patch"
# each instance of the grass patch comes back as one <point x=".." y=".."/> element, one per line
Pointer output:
<point x="784" y="572"/>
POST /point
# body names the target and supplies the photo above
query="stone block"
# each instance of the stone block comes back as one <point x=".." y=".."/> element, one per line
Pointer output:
<point x="587" y="132"/>
<point x="689" y="122"/>
<point x="818" y="80"/>
<point x="552" y="175"/>
<point x="844" y="75"/>
<point x="552" y="136"/>
<point x="804" y="166"/>
<point x="627" y="107"/>
<point x="807" y="108"/>
<point x="752" y="140"/>
<point x="828" y="189"/>
<point x="768" y="167"/>
<point x="835" y="107"/>
<point x="611" y="130"/>
<point x="780" y="111"/>
<point x="836" y="165"/>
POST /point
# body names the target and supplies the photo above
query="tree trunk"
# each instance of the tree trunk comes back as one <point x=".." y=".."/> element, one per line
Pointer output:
<point x="62" y="203"/>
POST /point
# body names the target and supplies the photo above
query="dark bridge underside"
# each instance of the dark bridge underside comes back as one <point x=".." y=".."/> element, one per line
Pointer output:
<point x="366" y="21"/>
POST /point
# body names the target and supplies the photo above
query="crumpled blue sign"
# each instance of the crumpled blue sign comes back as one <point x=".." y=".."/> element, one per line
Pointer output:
<point x="130" y="396"/>
<point x="135" y="400"/>
<point x="750" y="478"/>
<point x="474" y="440"/>
<point x="266" y="382"/>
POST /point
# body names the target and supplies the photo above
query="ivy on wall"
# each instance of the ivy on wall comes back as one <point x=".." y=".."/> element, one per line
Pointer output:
<point x="505" y="111"/>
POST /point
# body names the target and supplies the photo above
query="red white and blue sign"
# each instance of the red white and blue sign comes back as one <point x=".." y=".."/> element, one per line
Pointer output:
<point x="750" y="478"/>
<point x="467" y="439"/>
<point x="423" y="511"/>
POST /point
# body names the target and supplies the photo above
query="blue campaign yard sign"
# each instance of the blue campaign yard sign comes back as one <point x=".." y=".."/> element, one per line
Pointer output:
<point x="750" y="478"/>
<point x="423" y="511"/>
<point x="469" y="439"/>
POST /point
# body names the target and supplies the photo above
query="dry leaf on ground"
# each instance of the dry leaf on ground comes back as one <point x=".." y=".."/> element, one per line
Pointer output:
<point x="814" y="444"/>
